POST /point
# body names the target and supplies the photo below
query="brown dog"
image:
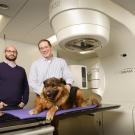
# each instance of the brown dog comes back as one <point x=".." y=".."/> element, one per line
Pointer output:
<point x="55" y="96"/>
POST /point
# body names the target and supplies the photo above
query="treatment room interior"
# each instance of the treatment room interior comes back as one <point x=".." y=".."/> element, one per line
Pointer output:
<point x="26" y="22"/>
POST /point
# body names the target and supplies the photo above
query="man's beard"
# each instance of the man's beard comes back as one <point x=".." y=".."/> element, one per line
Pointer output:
<point x="11" y="59"/>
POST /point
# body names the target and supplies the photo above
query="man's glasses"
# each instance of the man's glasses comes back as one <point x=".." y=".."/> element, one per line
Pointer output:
<point x="9" y="51"/>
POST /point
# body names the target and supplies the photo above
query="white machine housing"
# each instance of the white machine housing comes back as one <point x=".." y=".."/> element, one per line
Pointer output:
<point x="97" y="79"/>
<point x="77" y="27"/>
<point x="79" y="73"/>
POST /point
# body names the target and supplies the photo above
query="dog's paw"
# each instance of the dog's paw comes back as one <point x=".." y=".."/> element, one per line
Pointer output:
<point x="32" y="112"/>
<point x="96" y="99"/>
<point x="49" y="116"/>
<point x="47" y="121"/>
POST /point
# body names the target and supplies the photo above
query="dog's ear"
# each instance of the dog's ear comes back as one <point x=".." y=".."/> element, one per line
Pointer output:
<point x="45" y="83"/>
<point x="62" y="81"/>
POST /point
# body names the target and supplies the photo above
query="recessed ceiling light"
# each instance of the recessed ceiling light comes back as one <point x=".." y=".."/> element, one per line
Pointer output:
<point x="4" y="6"/>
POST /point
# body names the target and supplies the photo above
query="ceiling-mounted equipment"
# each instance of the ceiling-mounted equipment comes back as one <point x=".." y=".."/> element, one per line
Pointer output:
<point x="77" y="27"/>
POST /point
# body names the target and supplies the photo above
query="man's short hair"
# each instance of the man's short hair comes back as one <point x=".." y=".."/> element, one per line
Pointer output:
<point x="45" y="40"/>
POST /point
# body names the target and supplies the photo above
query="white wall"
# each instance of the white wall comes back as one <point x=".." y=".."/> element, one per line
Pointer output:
<point x="119" y="70"/>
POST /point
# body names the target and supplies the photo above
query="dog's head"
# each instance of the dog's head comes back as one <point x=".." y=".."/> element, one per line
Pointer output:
<point x="53" y="88"/>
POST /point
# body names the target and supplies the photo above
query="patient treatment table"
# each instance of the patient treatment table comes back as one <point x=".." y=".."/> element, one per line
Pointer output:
<point x="19" y="122"/>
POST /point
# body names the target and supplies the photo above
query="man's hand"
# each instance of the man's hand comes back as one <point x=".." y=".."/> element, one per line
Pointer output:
<point x="2" y="105"/>
<point x="68" y="86"/>
<point x="21" y="105"/>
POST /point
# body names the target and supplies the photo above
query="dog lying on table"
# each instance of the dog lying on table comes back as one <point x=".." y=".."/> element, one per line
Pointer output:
<point x="55" y="96"/>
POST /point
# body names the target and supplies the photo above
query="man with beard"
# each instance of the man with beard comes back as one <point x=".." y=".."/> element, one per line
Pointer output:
<point x="14" y="89"/>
